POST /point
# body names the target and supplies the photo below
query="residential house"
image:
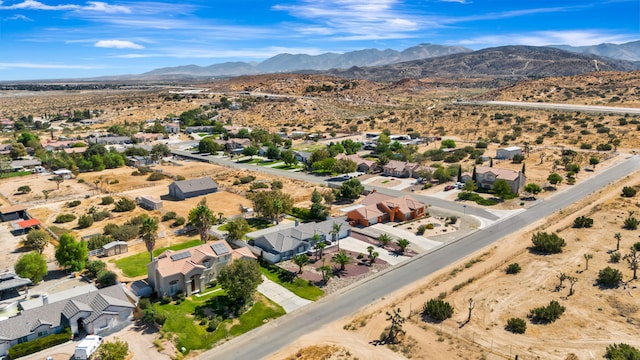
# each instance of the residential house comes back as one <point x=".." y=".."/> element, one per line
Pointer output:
<point x="198" y="129"/>
<point x="303" y="156"/>
<point x="14" y="212"/>
<point x="22" y="165"/>
<point x="189" y="270"/>
<point x="149" y="202"/>
<point x="75" y="150"/>
<point x="486" y="176"/>
<point x="364" y="165"/>
<point x="108" y="140"/>
<point x="283" y="244"/>
<point x="147" y="137"/>
<point x="138" y="160"/>
<point x="191" y="188"/>
<point x="115" y="248"/>
<point x="402" y="169"/>
<point x="95" y="311"/>
<point x="10" y="285"/>
<point x="377" y="208"/>
<point x="23" y="227"/>
<point x="508" y="153"/>
<point x="237" y="143"/>
<point x="171" y="128"/>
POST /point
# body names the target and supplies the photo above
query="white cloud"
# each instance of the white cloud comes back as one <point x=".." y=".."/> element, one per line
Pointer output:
<point x="19" y="17"/>
<point x="118" y="44"/>
<point x="543" y="38"/>
<point x="457" y="1"/>
<point x="98" y="6"/>
<point x="47" y="66"/>
<point x="205" y="53"/>
<point x="106" y="8"/>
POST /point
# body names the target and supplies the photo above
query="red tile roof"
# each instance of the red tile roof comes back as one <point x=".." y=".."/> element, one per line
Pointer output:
<point x="28" y="223"/>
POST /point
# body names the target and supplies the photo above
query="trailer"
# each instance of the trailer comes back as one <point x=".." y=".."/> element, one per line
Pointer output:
<point x="87" y="347"/>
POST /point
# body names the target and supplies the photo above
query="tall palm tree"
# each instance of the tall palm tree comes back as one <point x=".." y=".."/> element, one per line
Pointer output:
<point x="202" y="218"/>
<point x="149" y="233"/>
<point x="342" y="258"/>
<point x="301" y="260"/>
<point x="335" y="231"/>
<point x="320" y="249"/>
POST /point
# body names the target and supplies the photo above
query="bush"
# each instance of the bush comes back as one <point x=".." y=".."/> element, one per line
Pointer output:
<point x="259" y="185"/>
<point x="582" y="222"/>
<point x="106" y="278"/>
<point x="37" y="345"/>
<point x="615" y="257"/>
<point x="94" y="267"/>
<point x="124" y="204"/>
<point x="155" y="176"/>
<point x="97" y="241"/>
<point x="452" y="219"/>
<point x="301" y="213"/>
<point x="628" y="191"/>
<point x="518" y="158"/>
<point x="213" y="325"/>
<point x="180" y="178"/>
<point x="123" y="233"/>
<point x="421" y="229"/>
<point x="73" y="203"/>
<point x="64" y="218"/>
<point x="179" y="221"/>
<point x="85" y="221"/>
<point x="247" y="179"/>
<point x="547" y="314"/>
<point x="631" y="223"/>
<point x="622" y="352"/>
<point x="547" y="243"/>
<point x="513" y="268"/>
<point x="429" y="226"/>
<point x="437" y="309"/>
<point x="100" y="215"/>
<point x="107" y="200"/>
<point x="170" y="215"/>
<point x="516" y="325"/>
<point x="144" y="303"/>
<point x="609" y="277"/>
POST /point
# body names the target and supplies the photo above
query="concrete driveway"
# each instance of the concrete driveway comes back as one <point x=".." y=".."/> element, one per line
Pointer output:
<point x="397" y="233"/>
<point x="281" y="296"/>
<point x="356" y="245"/>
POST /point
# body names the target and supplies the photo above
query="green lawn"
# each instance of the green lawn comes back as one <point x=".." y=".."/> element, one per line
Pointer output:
<point x="269" y="162"/>
<point x="15" y="174"/>
<point x="294" y="284"/>
<point x="254" y="224"/>
<point x="250" y="161"/>
<point x="188" y="333"/>
<point x="286" y="167"/>
<point x="136" y="265"/>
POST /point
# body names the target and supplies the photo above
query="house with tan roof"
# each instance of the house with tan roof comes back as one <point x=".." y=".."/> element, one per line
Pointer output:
<point x="190" y="270"/>
<point x="364" y="165"/>
<point x="377" y="208"/>
<point x="403" y="169"/>
<point x="486" y="176"/>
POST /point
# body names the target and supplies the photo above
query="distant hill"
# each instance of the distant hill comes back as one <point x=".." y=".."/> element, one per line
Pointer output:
<point x="629" y="51"/>
<point x="512" y="62"/>
<point x="298" y="62"/>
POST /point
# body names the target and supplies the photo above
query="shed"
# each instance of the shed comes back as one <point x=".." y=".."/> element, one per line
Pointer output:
<point x="191" y="188"/>
<point x="64" y="173"/>
<point x="10" y="283"/>
<point x="508" y="152"/>
<point x="115" y="248"/>
<point x="24" y="226"/>
<point x="149" y="202"/>
<point x="14" y="212"/>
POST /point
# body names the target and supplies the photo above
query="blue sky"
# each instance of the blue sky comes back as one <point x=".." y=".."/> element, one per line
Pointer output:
<point x="47" y="39"/>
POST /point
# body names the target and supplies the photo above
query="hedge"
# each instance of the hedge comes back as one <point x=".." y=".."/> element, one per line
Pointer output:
<point x="34" y="346"/>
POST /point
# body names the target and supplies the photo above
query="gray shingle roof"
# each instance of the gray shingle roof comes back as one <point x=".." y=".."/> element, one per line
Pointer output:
<point x="204" y="183"/>
<point x="288" y="239"/>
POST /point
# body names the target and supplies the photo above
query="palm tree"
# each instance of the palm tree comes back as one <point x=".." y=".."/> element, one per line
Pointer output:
<point x="403" y="244"/>
<point x="314" y="240"/>
<point x="335" y="232"/>
<point x="384" y="239"/>
<point x="149" y="233"/>
<point x="301" y="260"/>
<point x="372" y="254"/>
<point x="202" y="218"/>
<point x="325" y="270"/>
<point x="342" y="259"/>
<point x="320" y="249"/>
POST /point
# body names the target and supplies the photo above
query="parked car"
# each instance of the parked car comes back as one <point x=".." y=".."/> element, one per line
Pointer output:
<point x="449" y="187"/>
<point x="459" y="185"/>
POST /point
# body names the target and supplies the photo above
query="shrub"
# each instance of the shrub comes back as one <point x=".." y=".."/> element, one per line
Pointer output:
<point x="421" y="229"/>
<point x="247" y="179"/>
<point x="64" y="218"/>
<point x="85" y="221"/>
<point x="124" y="204"/>
<point x="179" y="221"/>
<point x="513" y="268"/>
<point x="518" y="158"/>
<point x="609" y="277"/>
<point x="106" y="278"/>
<point x="582" y="222"/>
<point x="96" y="242"/>
<point x="547" y="314"/>
<point x="301" y="213"/>
<point x="615" y="257"/>
<point x="73" y="203"/>
<point x="628" y="191"/>
<point x="100" y="215"/>
<point x="94" y="267"/>
<point x="155" y="176"/>
<point x="180" y="178"/>
<point x="124" y="232"/>
<point x="429" y="226"/>
<point x="170" y="215"/>
<point x="37" y="345"/>
<point x="547" y="243"/>
<point x="107" y="200"/>
<point x="437" y="309"/>
<point x="259" y="185"/>
<point x="144" y="303"/>
<point x="452" y="219"/>
<point x="516" y="325"/>
<point x="622" y="352"/>
<point x="213" y="324"/>
<point x="631" y="223"/>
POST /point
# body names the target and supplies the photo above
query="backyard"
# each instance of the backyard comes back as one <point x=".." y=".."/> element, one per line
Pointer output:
<point x="136" y="265"/>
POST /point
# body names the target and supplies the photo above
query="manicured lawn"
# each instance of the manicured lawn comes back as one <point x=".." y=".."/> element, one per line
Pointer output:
<point x="286" y="167"/>
<point x="136" y="265"/>
<point x="15" y="174"/>
<point x="296" y="285"/>
<point x="188" y="333"/>
<point x="254" y="224"/>
<point x="250" y="161"/>
<point x="269" y="162"/>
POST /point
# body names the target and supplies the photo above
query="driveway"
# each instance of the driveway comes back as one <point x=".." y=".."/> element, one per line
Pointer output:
<point x="281" y="296"/>
<point x="356" y="245"/>
<point x="404" y="182"/>
<point x="397" y="233"/>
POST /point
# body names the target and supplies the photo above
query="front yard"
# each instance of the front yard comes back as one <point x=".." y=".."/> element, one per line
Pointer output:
<point x="136" y="265"/>
<point x="291" y="282"/>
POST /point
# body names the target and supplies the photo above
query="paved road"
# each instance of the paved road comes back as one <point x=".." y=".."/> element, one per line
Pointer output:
<point x="550" y="106"/>
<point x="278" y="334"/>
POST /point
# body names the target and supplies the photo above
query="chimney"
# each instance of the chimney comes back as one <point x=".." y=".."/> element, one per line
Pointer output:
<point x="45" y="299"/>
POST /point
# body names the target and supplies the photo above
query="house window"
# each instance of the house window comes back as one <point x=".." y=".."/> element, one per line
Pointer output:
<point x="174" y="287"/>
<point x="42" y="333"/>
<point x="23" y="339"/>
<point x="206" y="263"/>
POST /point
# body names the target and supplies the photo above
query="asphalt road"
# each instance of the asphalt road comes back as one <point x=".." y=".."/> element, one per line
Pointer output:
<point x="550" y="106"/>
<point x="279" y="333"/>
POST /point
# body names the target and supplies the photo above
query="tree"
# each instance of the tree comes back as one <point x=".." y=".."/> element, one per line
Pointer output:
<point x="437" y="309"/>
<point x="301" y="260"/>
<point x="587" y="257"/>
<point x="342" y="258"/>
<point x="106" y="278"/>
<point x="448" y="144"/>
<point x="237" y="229"/>
<point x="208" y="146"/>
<point x="71" y="254"/>
<point x="335" y="231"/>
<point x="470" y="185"/>
<point x="593" y="161"/>
<point x="36" y="240"/>
<point x="273" y="152"/>
<point x="46" y="194"/>
<point x="396" y="326"/>
<point x="250" y="151"/>
<point x="629" y="191"/>
<point x="124" y="205"/>
<point x="631" y="223"/>
<point x="112" y="350"/>
<point x="24" y="189"/>
<point x="516" y="325"/>
<point x="517" y="158"/>
<point x="501" y="188"/>
<point x="85" y="221"/>
<point x="58" y="179"/>
<point x="554" y="179"/>
<point x="372" y="254"/>
<point x="618" y="237"/>
<point x="609" y="277"/>
<point x="547" y="314"/>
<point x="633" y="258"/>
<point x="158" y="151"/>
<point x="325" y="270"/>
<point x="317" y="211"/>
<point x="272" y="204"/>
<point x="403" y="244"/>
<point x="240" y="279"/>
<point x="384" y="239"/>
<point x="351" y="189"/>
<point x="320" y="246"/>
<point x="572" y="280"/>
<point x="94" y="267"/>
<point x="622" y="352"/>
<point x="547" y="243"/>
<point x="289" y="158"/>
<point x="582" y="222"/>
<point x="532" y="188"/>
<point x="32" y="266"/>
<point x="149" y="234"/>
<point x="201" y="217"/>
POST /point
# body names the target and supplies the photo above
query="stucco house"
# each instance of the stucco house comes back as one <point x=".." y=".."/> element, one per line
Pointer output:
<point x="191" y="188"/>
<point x="508" y="153"/>
<point x="364" y="165"/>
<point x="189" y="270"/>
<point x="400" y="169"/>
<point x="377" y="208"/>
<point x="486" y="176"/>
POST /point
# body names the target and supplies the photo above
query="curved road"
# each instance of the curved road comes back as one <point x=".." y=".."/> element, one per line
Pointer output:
<point x="550" y="106"/>
<point x="279" y="333"/>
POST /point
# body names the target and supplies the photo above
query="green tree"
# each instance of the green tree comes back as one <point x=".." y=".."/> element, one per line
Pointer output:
<point x="437" y="309"/>
<point x="208" y="145"/>
<point x="547" y="243"/>
<point x="384" y="239"/>
<point x="32" y="266"/>
<point x="633" y="258"/>
<point x="609" y="277"/>
<point x="325" y="270"/>
<point x="201" y="217"/>
<point x="240" y="280"/>
<point x="516" y="325"/>
<point x="622" y="352"/>
<point x="342" y="258"/>
<point x="237" y="229"/>
<point x="351" y="189"/>
<point x="547" y="314"/>
<point x="289" y="158"/>
<point x="470" y="185"/>
<point x="372" y="254"/>
<point x="335" y="231"/>
<point x="158" y="151"/>
<point x="403" y="244"/>
<point x="272" y="204"/>
<point x="448" y="144"/>
<point x="345" y="166"/>
<point x="554" y="179"/>
<point x="149" y="234"/>
<point x="582" y="222"/>
<point x="71" y="254"/>
<point x="501" y="188"/>
<point x="250" y="151"/>
<point x="317" y="211"/>
<point x="94" y="267"/>
<point x="273" y="152"/>
<point x="628" y="191"/>
<point x="37" y="240"/>
<point x="112" y="350"/>
<point x="532" y="188"/>
<point x="85" y="221"/>
<point x="593" y="161"/>
<point x="300" y="260"/>
<point x="106" y="278"/>
<point x="24" y="189"/>
<point x="124" y="205"/>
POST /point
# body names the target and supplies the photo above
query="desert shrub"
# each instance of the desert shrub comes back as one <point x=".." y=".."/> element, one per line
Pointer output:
<point x="116" y="181"/>
<point x="615" y="257"/>
<point x="513" y="268"/>
<point x="547" y="314"/>
<point x="180" y="178"/>
<point x="276" y="185"/>
<point x="429" y="226"/>
<point x="629" y="191"/>
<point x="518" y="158"/>
<point x="124" y="204"/>
<point x="259" y="185"/>
<point x="622" y="352"/>
<point x="247" y="179"/>
<point x="179" y="221"/>
<point x="169" y="215"/>
<point x="582" y="222"/>
<point x="452" y="219"/>
<point x="124" y="232"/>
<point x="143" y="170"/>
<point x="609" y="277"/>
<point x="85" y="221"/>
<point x="100" y="215"/>
<point x="73" y="203"/>
<point x="516" y="325"/>
<point x="437" y="309"/>
<point x="155" y="176"/>
<point x="421" y="229"/>
<point x="547" y="243"/>
<point x="107" y="200"/>
<point x="631" y="223"/>
<point x="64" y="218"/>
